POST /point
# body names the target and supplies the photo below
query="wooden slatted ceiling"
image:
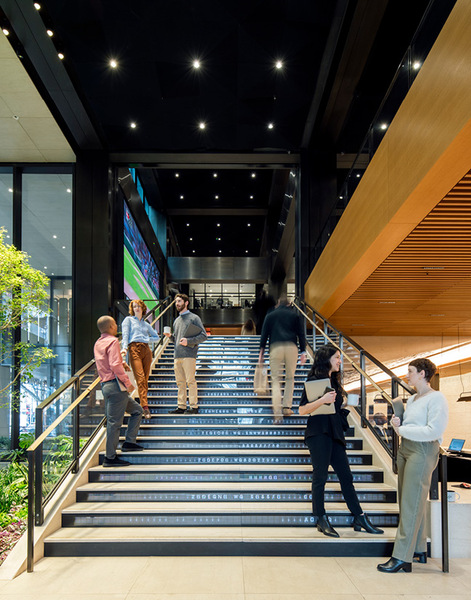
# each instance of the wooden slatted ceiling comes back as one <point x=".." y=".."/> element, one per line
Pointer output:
<point x="424" y="286"/>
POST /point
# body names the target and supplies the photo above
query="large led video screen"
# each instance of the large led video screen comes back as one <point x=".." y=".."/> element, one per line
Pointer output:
<point x="141" y="275"/>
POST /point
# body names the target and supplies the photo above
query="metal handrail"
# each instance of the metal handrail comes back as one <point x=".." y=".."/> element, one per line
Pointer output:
<point x="394" y="379"/>
<point x="36" y="503"/>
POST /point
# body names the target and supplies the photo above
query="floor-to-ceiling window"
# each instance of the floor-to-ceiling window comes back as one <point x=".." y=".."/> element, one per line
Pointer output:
<point x="47" y="239"/>
<point x="6" y="223"/>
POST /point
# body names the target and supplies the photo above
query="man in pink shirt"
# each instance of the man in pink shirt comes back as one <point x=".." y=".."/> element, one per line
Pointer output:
<point x="116" y="387"/>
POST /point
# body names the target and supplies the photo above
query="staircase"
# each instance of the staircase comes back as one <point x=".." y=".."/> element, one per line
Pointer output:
<point x="226" y="481"/>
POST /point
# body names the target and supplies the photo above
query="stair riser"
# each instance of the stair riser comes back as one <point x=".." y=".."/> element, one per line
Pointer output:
<point x="214" y="520"/>
<point x="207" y="477"/>
<point x="228" y="496"/>
<point x="197" y="459"/>
<point x="226" y="445"/>
<point x="313" y="547"/>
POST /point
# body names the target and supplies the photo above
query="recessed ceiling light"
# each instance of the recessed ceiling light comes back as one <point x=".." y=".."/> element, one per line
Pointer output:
<point x="246" y="252"/>
<point x="10" y="190"/>
<point x="69" y="191"/>
<point x="248" y="224"/>
<point x="196" y="64"/>
<point x="279" y="64"/>
<point x="220" y="251"/>
<point x="177" y="174"/>
<point x="37" y="6"/>
<point x="358" y="175"/>
<point x="63" y="247"/>
<point x="215" y="175"/>
<point x="50" y="33"/>
<point x="216" y="197"/>
<point x="341" y="197"/>
<point x="202" y="125"/>
<point x="270" y="125"/>
<point x="251" y="197"/>
<point x="187" y="224"/>
<point x="61" y="56"/>
<point x="133" y="125"/>
<point x="218" y="239"/>
<point x="193" y="251"/>
<point x="55" y="237"/>
<point x="383" y="126"/>
<point x="113" y="63"/>
<point x="6" y="32"/>
<point x="218" y="224"/>
<point x="182" y="197"/>
<point x="416" y="65"/>
<point x="253" y="175"/>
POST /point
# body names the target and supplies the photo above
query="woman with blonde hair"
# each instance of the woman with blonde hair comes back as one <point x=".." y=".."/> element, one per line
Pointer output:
<point x="136" y="335"/>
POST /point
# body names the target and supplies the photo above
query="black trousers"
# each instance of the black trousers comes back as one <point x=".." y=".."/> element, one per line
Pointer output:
<point x="326" y="451"/>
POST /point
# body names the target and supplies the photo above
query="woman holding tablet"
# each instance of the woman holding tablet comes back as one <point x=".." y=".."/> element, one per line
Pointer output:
<point x="325" y="439"/>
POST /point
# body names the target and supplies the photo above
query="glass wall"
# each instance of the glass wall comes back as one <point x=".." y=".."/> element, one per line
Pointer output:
<point x="47" y="239"/>
<point x="6" y="222"/>
<point x="222" y="295"/>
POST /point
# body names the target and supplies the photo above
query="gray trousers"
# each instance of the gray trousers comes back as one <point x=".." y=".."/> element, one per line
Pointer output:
<point x="116" y="404"/>
<point x="416" y="462"/>
<point x="282" y="354"/>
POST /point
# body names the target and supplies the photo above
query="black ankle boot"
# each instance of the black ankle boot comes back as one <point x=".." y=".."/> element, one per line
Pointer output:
<point x="363" y="521"/>
<point x="420" y="557"/>
<point x="325" y="527"/>
<point x="394" y="565"/>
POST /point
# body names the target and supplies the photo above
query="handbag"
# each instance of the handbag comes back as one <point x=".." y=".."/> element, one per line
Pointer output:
<point x="260" y="381"/>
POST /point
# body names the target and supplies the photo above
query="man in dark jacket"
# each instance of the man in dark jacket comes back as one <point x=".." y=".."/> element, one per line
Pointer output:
<point x="284" y="328"/>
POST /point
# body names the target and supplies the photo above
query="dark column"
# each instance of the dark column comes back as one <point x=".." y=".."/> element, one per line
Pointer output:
<point x="92" y="255"/>
<point x="313" y="207"/>
<point x="17" y="242"/>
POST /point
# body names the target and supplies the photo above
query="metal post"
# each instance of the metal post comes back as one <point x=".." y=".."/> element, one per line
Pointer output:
<point x="38" y="472"/>
<point x="31" y="504"/>
<point x="444" y="493"/>
<point x="362" y="391"/>
<point x="76" y="427"/>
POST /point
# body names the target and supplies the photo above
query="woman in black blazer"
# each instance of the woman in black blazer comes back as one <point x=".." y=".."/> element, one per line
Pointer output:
<point x="325" y="439"/>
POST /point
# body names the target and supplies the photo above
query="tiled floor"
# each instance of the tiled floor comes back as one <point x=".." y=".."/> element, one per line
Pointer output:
<point x="235" y="578"/>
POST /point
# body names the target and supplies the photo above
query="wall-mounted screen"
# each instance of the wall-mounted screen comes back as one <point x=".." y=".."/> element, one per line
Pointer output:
<point x="141" y="275"/>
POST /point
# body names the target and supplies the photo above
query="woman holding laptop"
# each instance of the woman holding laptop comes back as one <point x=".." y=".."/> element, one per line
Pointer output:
<point x="325" y="439"/>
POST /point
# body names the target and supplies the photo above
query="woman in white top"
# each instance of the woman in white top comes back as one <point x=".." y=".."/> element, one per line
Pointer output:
<point x="425" y="420"/>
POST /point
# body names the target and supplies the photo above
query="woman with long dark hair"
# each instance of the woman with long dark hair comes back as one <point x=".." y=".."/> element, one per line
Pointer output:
<point x="325" y="439"/>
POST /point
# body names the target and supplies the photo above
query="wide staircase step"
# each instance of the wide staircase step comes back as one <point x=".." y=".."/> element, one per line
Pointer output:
<point x="227" y="481"/>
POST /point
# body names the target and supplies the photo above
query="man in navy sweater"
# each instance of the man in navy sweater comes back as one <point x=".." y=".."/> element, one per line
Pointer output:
<point x="283" y="327"/>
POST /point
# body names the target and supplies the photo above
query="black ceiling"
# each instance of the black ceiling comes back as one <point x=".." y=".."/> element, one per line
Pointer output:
<point x="236" y="92"/>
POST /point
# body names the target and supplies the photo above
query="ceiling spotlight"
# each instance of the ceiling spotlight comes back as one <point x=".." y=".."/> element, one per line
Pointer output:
<point x="215" y="175"/>
<point x="383" y="126"/>
<point x="191" y="239"/>
<point x="182" y="197"/>
<point x="270" y="125"/>
<point x="416" y="65"/>
<point x="253" y="175"/>
<point x="358" y="175"/>
<point x="216" y="197"/>
<point x="248" y="225"/>
<point x="251" y="197"/>
<point x="278" y="64"/>
<point x="246" y="252"/>
<point x="61" y="56"/>
<point x="218" y="224"/>
<point x="49" y="32"/>
<point x="55" y="237"/>
<point x="218" y="239"/>
<point x="193" y="251"/>
<point x="63" y="247"/>
<point x="177" y="174"/>
<point x="133" y="125"/>
<point x="202" y="125"/>
<point x="113" y="63"/>
<point x="187" y="224"/>
<point x="220" y="251"/>
<point x="37" y="6"/>
<point x="69" y="191"/>
<point x="6" y="32"/>
<point x="10" y="190"/>
<point x="196" y="64"/>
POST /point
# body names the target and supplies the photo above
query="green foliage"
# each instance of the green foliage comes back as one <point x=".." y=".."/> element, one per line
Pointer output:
<point x="13" y="493"/>
<point x="23" y="294"/>
<point x="18" y="455"/>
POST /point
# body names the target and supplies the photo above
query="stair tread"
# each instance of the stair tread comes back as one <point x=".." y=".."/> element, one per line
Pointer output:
<point x="220" y="507"/>
<point x="231" y="452"/>
<point x="227" y="486"/>
<point x="211" y="534"/>
<point x="225" y="467"/>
